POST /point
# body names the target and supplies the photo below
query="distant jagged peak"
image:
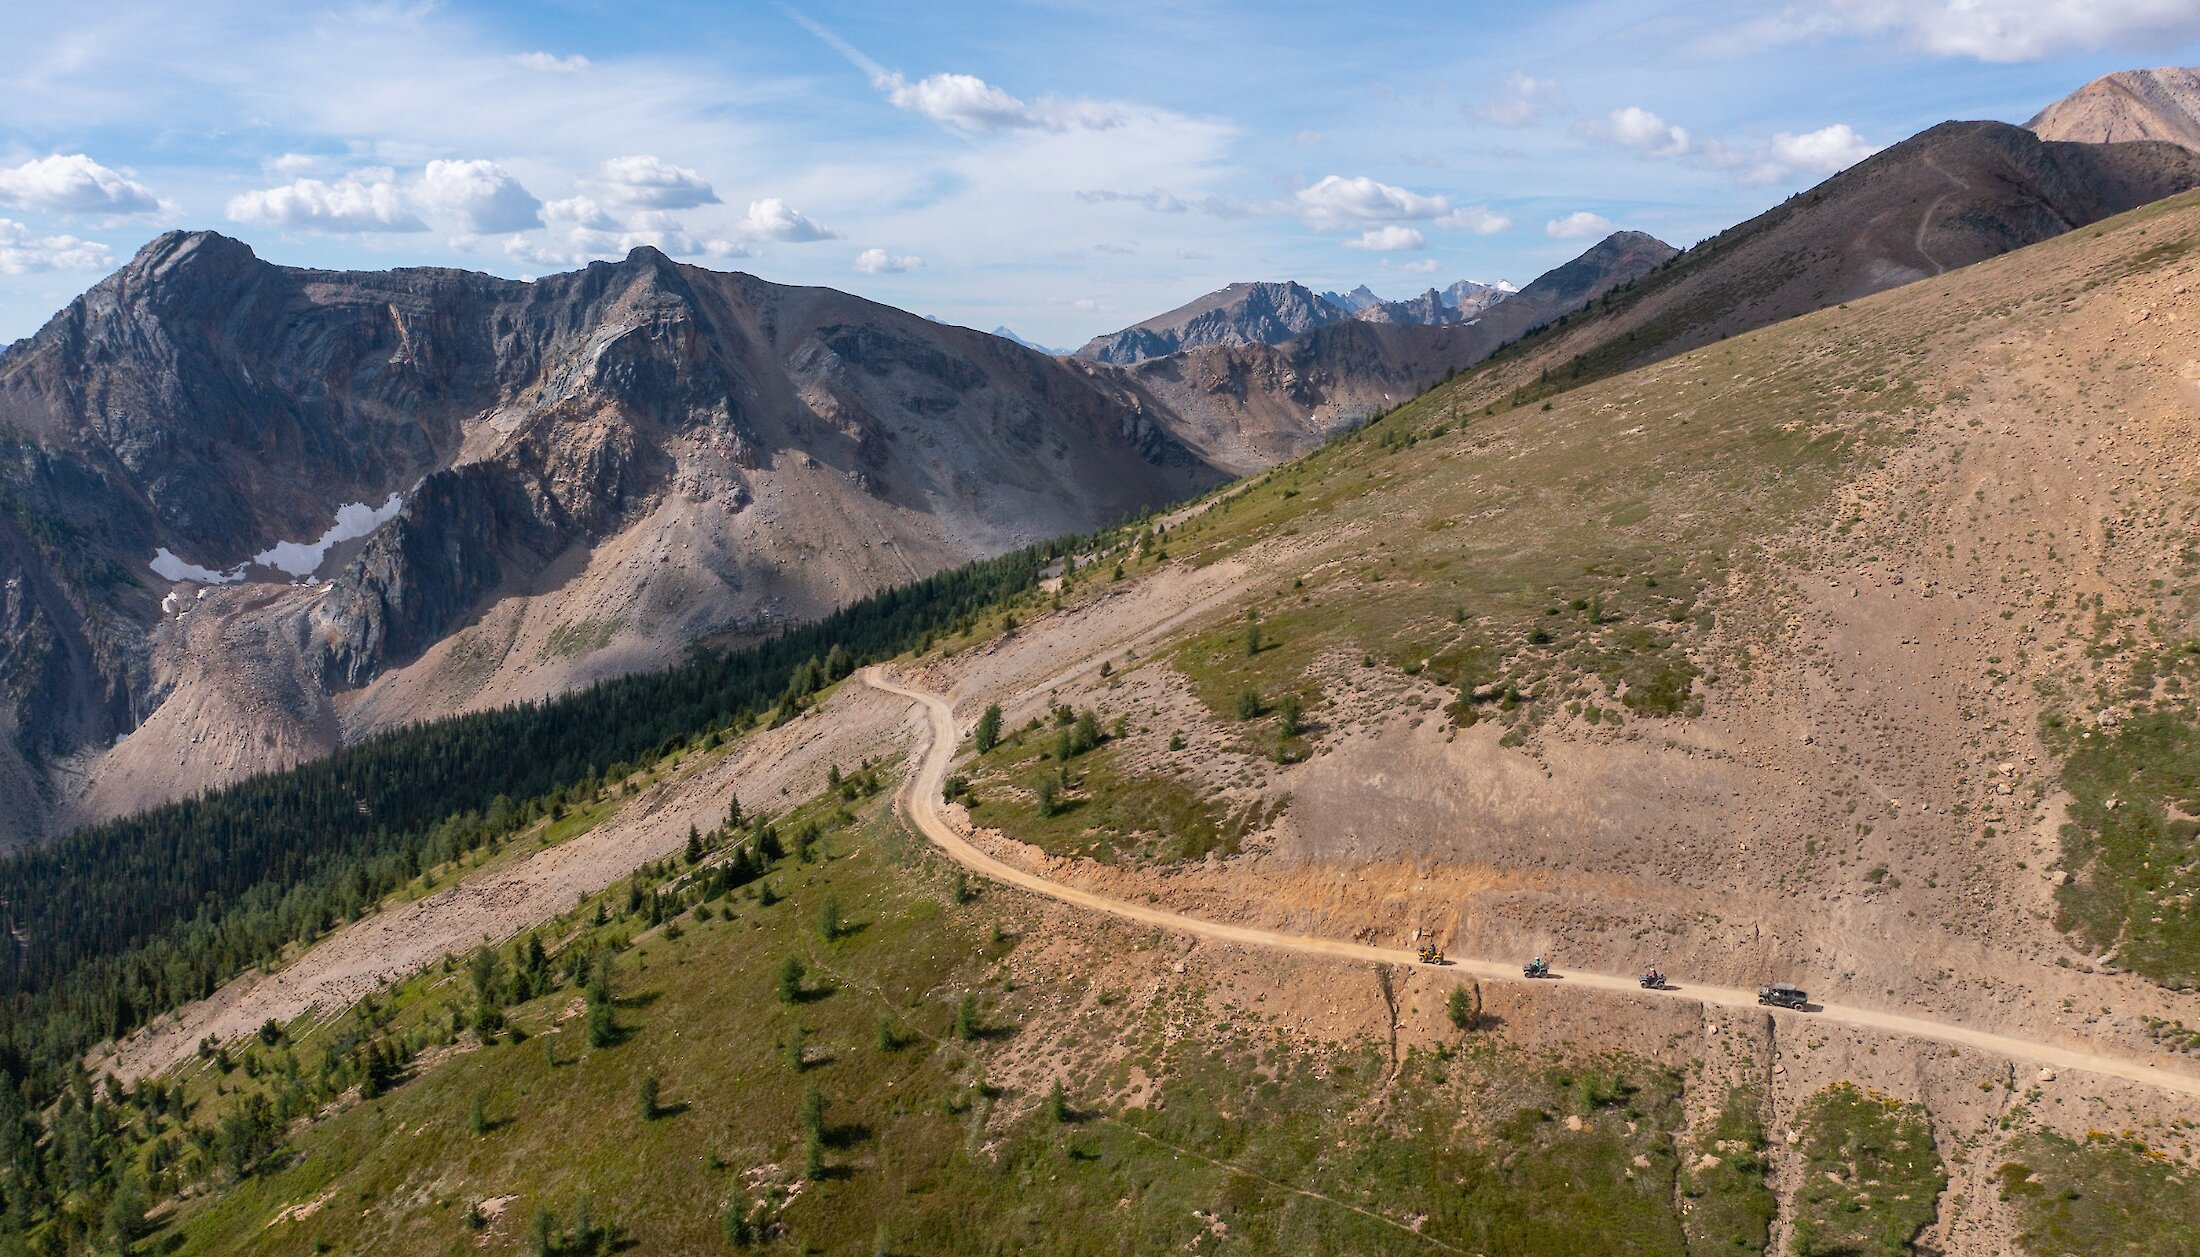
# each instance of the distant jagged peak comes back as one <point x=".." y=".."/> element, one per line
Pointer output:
<point x="1005" y="332"/>
<point x="1263" y="312"/>
<point x="1360" y="298"/>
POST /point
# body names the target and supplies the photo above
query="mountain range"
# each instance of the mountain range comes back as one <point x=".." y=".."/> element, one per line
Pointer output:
<point x="1271" y="313"/>
<point x="254" y="512"/>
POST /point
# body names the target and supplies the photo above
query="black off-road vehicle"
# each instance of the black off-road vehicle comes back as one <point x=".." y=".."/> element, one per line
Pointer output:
<point x="1782" y="995"/>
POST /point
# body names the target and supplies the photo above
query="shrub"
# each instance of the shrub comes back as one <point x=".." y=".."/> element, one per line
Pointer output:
<point x="1464" y="1009"/>
<point x="734" y="1224"/>
<point x="988" y="734"/>
<point x="791" y="974"/>
<point x="1249" y="705"/>
<point x="1085" y="734"/>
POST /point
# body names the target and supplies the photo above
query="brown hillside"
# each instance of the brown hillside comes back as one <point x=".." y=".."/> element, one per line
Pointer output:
<point x="1946" y="198"/>
<point x="2159" y="104"/>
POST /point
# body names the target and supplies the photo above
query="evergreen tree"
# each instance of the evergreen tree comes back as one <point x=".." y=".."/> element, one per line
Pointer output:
<point x="988" y="734"/>
<point x="125" y="1213"/>
<point x="603" y="1028"/>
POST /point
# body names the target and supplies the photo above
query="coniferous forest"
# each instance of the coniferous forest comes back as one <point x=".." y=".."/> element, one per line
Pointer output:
<point x="116" y="923"/>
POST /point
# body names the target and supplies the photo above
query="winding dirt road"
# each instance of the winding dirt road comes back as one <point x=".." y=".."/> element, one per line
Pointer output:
<point x="920" y="801"/>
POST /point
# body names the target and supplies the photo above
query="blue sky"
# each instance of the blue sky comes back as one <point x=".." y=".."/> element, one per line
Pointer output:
<point x="1063" y="167"/>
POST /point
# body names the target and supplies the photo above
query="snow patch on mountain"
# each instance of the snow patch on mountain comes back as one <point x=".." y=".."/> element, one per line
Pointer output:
<point x="297" y="559"/>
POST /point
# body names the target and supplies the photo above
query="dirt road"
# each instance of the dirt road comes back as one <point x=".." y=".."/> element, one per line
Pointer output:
<point x="920" y="801"/>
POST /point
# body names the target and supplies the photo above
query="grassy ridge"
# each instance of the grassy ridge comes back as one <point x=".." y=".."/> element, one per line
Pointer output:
<point x="939" y="1136"/>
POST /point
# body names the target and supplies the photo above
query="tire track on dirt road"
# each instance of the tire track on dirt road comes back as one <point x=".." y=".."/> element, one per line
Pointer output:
<point x="919" y="799"/>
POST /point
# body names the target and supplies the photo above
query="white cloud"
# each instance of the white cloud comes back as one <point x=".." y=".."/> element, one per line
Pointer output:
<point x="880" y="262"/>
<point x="1336" y="202"/>
<point x="1813" y="153"/>
<point x="1391" y="239"/>
<point x="1579" y="225"/>
<point x="74" y="184"/>
<point x="580" y="211"/>
<point x="2011" y="30"/>
<point x="1524" y="101"/>
<point x="581" y="231"/>
<point x="1634" y="127"/>
<point x="479" y="195"/>
<point x="655" y="184"/>
<point x="960" y="100"/>
<point x="1426" y="266"/>
<point x="551" y="63"/>
<point x="773" y="219"/>
<point x="969" y="103"/>
<point x="290" y="164"/>
<point x="21" y="252"/>
<point x="1158" y="200"/>
<point x="1823" y="151"/>
<point x="363" y="200"/>
<point x="1479" y="219"/>
<point x="1309" y="139"/>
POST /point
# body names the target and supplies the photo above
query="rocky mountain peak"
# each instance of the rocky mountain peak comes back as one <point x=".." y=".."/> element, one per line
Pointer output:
<point x="170" y="252"/>
<point x="1242" y="314"/>
<point x="2158" y="104"/>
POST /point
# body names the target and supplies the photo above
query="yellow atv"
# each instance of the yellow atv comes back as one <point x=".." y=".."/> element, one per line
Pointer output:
<point x="1431" y="954"/>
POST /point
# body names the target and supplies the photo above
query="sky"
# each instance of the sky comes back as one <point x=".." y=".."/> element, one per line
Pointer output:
<point x="1061" y="167"/>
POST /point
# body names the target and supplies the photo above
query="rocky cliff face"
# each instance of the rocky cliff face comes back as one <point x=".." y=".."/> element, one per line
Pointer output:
<point x="590" y="471"/>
